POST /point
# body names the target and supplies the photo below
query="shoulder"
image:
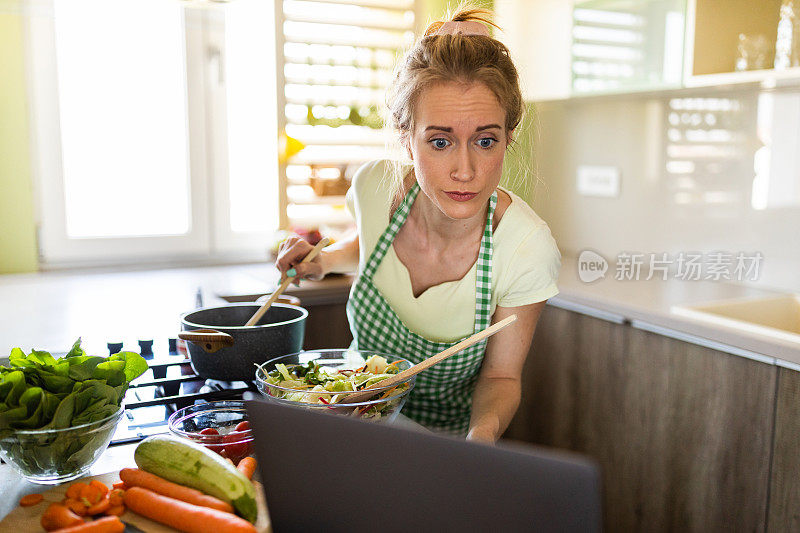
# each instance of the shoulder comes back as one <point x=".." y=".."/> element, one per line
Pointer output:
<point x="523" y="235"/>
<point x="372" y="175"/>
<point x="370" y="186"/>
<point x="526" y="259"/>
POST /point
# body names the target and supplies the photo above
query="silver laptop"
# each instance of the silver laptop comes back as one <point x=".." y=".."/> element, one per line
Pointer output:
<point x="324" y="472"/>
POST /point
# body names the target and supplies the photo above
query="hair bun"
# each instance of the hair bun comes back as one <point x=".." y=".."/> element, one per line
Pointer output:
<point x="470" y="15"/>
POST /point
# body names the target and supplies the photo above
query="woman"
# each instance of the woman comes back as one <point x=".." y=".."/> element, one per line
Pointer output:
<point x="445" y="252"/>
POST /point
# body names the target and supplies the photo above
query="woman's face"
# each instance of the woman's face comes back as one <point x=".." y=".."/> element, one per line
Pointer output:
<point x="458" y="144"/>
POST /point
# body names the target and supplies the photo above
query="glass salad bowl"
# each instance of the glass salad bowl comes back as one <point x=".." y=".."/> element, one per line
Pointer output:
<point x="220" y="426"/>
<point x="52" y="456"/>
<point x="316" y="380"/>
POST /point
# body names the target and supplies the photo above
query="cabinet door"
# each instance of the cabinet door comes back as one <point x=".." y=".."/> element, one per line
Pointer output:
<point x="681" y="432"/>
<point x="784" y="494"/>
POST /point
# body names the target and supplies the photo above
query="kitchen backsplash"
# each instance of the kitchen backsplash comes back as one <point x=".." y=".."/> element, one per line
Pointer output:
<point x="700" y="171"/>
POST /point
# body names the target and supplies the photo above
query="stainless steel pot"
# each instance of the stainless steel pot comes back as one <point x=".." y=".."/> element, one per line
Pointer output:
<point x="279" y="332"/>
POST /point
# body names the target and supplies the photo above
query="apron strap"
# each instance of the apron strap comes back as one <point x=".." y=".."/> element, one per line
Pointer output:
<point x="386" y="239"/>
<point x="483" y="272"/>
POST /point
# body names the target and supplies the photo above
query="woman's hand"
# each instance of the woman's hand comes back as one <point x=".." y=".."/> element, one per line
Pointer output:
<point x="341" y="256"/>
<point x="290" y="254"/>
<point x="482" y="434"/>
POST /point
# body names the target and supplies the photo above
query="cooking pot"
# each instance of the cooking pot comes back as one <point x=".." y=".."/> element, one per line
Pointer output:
<point x="279" y="332"/>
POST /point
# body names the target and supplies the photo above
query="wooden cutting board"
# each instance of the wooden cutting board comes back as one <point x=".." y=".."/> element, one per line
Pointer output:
<point x="27" y="519"/>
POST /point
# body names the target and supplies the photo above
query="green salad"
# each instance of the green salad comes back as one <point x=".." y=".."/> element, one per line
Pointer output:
<point x="317" y="384"/>
<point x="41" y="392"/>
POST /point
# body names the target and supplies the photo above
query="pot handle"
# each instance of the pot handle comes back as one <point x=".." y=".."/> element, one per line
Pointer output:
<point x="210" y="340"/>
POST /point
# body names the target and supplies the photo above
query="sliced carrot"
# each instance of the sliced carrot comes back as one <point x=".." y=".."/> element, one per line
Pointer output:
<point x="30" y="499"/>
<point x="116" y="510"/>
<point x="100" y="507"/>
<point x="247" y="466"/>
<point x="76" y="506"/>
<point x="91" y="493"/>
<point x="139" y="478"/>
<point x="121" y="485"/>
<point x="99" y="485"/>
<point x="184" y="516"/>
<point x="57" y="516"/>
<point x="74" y="490"/>
<point x="107" y="524"/>
<point x="115" y="496"/>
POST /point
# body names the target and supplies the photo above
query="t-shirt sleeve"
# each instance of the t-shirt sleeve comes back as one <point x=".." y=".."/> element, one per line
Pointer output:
<point x="533" y="270"/>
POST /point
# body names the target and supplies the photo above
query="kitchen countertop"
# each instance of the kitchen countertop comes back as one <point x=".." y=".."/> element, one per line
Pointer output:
<point x="647" y="304"/>
<point x="49" y="310"/>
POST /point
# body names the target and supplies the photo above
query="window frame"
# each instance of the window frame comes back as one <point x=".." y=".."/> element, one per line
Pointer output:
<point x="210" y="238"/>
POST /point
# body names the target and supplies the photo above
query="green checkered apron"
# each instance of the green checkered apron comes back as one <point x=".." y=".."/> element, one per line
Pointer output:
<point x="442" y="397"/>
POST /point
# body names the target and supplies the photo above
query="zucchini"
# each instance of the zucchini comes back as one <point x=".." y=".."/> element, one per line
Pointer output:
<point x="192" y="465"/>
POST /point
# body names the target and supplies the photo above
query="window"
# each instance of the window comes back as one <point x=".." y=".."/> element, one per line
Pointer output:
<point x="154" y="129"/>
<point x="337" y="62"/>
<point x="155" y="124"/>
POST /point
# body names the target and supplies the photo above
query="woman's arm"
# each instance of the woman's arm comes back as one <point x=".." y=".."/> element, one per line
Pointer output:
<point x="341" y="256"/>
<point x="499" y="386"/>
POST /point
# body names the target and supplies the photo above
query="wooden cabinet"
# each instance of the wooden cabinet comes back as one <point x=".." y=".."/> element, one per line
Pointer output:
<point x="682" y="433"/>
<point x="784" y="501"/>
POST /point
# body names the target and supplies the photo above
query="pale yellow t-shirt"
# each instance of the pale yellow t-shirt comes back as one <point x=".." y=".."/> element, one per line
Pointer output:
<point x="525" y="263"/>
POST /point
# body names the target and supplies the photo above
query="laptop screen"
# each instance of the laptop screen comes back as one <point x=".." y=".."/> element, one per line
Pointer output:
<point x="324" y="472"/>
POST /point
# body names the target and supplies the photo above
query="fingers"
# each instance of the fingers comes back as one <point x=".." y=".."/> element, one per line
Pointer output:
<point x="311" y="270"/>
<point x="290" y="254"/>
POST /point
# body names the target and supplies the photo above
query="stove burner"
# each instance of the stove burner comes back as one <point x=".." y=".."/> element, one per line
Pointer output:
<point x="169" y="385"/>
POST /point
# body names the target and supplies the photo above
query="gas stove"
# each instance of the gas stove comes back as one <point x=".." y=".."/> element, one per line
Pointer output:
<point x="170" y="384"/>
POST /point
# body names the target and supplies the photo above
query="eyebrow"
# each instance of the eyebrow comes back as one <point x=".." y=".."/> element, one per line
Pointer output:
<point x="449" y="130"/>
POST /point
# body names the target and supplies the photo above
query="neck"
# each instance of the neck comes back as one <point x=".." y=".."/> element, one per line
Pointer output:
<point x="438" y="227"/>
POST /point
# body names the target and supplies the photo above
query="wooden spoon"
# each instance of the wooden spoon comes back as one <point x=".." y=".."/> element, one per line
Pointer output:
<point x="263" y="309"/>
<point x="209" y="340"/>
<point x="365" y="394"/>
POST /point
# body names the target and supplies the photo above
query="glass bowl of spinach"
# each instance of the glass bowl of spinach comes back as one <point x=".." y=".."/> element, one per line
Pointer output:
<point x="57" y="415"/>
<point x="51" y="456"/>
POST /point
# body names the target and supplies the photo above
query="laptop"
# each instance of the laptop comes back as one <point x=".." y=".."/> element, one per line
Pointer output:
<point x="330" y="473"/>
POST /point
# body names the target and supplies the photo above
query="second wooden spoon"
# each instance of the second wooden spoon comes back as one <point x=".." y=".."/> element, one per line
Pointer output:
<point x="365" y="394"/>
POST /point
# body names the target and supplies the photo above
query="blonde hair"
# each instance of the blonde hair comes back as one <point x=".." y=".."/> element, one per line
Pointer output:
<point x="456" y="58"/>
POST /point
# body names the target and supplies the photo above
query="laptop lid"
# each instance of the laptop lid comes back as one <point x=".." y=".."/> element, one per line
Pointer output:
<point x="324" y="472"/>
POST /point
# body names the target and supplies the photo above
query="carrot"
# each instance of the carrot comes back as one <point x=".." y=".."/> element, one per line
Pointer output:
<point x="121" y="485"/>
<point x="76" y="506"/>
<point x="57" y="516"/>
<point x="139" y="478"/>
<point x="30" y="499"/>
<point x="116" y="510"/>
<point x="184" y="516"/>
<point x="107" y="524"/>
<point x="100" y="507"/>
<point x="99" y="485"/>
<point x="74" y="490"/>
<point x="247" y="466"/>
<point x="115" y="497"/>
<point x="91" y="494"/>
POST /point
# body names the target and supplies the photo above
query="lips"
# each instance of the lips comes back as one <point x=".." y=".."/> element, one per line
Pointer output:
<point x="461" y="196"/>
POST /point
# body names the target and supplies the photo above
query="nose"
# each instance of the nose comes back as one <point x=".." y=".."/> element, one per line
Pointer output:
<point x="463" y="166"/>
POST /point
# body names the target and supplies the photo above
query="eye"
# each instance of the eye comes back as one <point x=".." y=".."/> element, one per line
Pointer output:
<point x="486" y="142"/>
<point x="440" y="144"/>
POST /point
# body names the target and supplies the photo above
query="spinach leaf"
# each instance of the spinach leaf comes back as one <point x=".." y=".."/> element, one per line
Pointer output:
<point x="38" y="391"/>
